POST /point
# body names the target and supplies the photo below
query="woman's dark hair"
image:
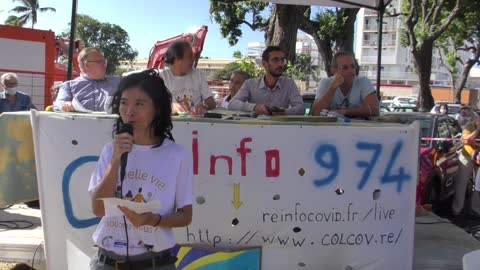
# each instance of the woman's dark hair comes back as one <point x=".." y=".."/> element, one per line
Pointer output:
<point x="152" y="84"/>
<point x="177" y="50"/>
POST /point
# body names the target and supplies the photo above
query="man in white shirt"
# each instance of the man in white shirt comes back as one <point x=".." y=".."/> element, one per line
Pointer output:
<point x="345" y="93"/>
<point x="188" y="85"/>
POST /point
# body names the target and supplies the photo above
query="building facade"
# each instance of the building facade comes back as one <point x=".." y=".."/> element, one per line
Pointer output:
<point x="397" y="62"/>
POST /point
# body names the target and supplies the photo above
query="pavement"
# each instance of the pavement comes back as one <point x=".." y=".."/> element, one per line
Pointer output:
<point x="21" y="236"/>
<point x="439" y="243"/>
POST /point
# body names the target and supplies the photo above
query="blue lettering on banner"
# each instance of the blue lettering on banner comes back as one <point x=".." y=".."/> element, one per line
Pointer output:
<point x="331" y="164"/>
<point x="377" y="149"/>
<point x="395" y="178"/>
<point x="326" y="155"/>
<point x="67" y="201"/>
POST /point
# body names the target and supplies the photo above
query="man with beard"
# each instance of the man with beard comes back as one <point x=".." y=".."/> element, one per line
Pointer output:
<point x="270" y="94"/>
<point x="344" y="93"/>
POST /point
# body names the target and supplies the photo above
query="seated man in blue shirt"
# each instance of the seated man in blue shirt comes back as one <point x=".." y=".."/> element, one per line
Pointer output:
<point x="92" y="88"/>
<point x="270" y="94"/>
<point x="345" y="93"/>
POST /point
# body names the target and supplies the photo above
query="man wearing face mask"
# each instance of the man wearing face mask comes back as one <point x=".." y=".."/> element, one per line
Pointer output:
<point x="271" y="94"/>
<point x="345" y="93"/>
<point x="12" y="100"/>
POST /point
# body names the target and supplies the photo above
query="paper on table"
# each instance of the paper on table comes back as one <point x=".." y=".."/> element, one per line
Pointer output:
<point x="111" y="206"/>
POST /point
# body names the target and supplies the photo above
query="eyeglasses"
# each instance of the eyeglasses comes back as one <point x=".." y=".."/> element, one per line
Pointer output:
<point x="346" y="67"/>
<point x="277" y="60"/>
<point x="103" y="61"/>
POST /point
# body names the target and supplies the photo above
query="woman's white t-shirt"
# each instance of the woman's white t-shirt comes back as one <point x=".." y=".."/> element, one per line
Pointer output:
<point x="164" y="174"/>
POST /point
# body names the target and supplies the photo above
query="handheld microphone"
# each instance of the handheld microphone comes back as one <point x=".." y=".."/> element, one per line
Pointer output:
<point x="125" y="128"/>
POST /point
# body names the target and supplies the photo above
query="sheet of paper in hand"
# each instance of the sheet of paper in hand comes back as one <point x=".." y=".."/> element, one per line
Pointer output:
<point x="111" y="206"/>
<point x="78" y="107"/>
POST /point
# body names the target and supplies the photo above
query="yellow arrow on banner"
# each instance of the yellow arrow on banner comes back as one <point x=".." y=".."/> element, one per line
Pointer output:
<point x="236" y="196"/>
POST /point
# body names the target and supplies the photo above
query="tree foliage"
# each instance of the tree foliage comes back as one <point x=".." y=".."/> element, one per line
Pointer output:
<point x="225" y="73"/>
<point x="426" y="21"/>
<point x="230" y="16"/>
<point x="28" y="11"/>
<point x="280" y="26"/>
<point x="332" y="29"/>
<point x="241" y="63"/>
<point x="302" y="69"/>
<point x="460" y="46"/>
<point x="111" y="38"/>
<point x="13" y="20"/>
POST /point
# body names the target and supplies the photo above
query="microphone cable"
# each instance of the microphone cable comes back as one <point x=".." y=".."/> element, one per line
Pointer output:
<point x="125" y="128"/>
<point x="122" y="177"/>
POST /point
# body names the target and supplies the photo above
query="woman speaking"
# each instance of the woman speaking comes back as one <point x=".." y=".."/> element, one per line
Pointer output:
<point x="157" y="169"/>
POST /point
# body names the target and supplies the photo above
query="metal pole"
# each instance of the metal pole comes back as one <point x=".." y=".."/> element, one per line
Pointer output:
<point x="381" y="11"/>
<point x="71" y="47"/>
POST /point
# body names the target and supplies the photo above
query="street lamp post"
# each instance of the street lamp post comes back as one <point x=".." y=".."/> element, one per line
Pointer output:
<point x="71" y="45"/>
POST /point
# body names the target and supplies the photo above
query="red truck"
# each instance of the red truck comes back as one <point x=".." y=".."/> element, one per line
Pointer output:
<point x="36" y="57"/>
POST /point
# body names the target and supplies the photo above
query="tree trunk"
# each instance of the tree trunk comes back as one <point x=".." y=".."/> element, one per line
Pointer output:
<point x="423" y="66"/>
<point x="453" y="82"/>
<point x="283" y="27"/>
<point x="324" y="46"/>
<point x="465" y="71"/>
<point x="326" y="51"/>
<point x="344" y="42"/>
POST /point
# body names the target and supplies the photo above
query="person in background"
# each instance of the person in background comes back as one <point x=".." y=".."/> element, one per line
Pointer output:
<point x="443" y="109"/>
<point x="465" y="115"/>
<point x="92" y="89"/>
<point x="466" y="164"/>
<point x="271" y="94"/>
<point x="188" y="85"/>
<point x="12" y="100"/>
<point x="144" y="102"/>
<point x="53" y="92"/>
<point x="345" y="93"/>
<point x="236" y="81"/>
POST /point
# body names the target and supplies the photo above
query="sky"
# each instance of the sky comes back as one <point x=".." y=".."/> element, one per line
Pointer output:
<point x="146" y="22"/>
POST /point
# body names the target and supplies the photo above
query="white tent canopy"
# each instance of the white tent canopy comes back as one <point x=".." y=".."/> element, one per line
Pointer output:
<point x="372" y="4"/>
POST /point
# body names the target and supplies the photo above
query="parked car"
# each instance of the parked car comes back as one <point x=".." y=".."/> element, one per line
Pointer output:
<point x="384" y="109"/>
<point x="404" y="101"/>
<point x="387" y="103"/>
<point x="405" y="109"/>
<point x="438" y="158"/>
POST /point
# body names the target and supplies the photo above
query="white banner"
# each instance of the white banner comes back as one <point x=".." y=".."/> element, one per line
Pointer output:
<point x="313" y="196"/>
